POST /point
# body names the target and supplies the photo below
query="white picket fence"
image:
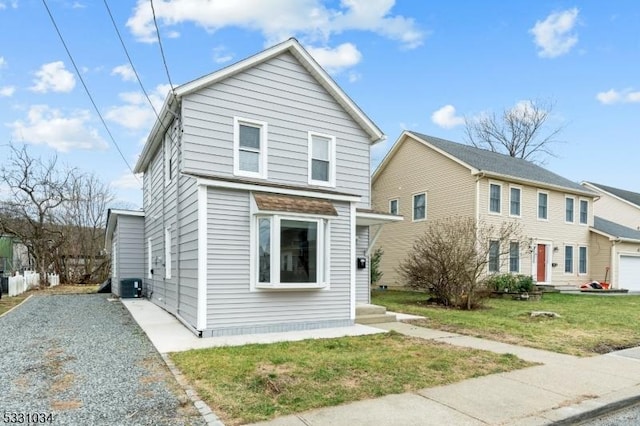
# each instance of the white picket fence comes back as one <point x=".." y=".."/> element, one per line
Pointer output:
<point x="18" y="284"/>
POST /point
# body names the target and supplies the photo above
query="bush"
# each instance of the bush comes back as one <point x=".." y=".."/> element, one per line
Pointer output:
<point x="376" y="273"/>
<point x="511" y="283"/>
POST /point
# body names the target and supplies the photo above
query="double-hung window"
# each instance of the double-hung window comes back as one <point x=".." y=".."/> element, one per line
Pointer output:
<point x="569" y="202"/>
<point x="582" y="260"/>
<point x="584" y="212"/>
<point x="514" y="257"/>
<point x="568" y="259"/>
<point x="322" y="159"/>
<point x="249" y="148"/>
<point x="495" y="200"/>
<point x="514" y="201"/>
<point x="543" y="205"/>
<point x="494" y="256"/>
<point x="393" y="206"/>
<point x="420" y="206"/>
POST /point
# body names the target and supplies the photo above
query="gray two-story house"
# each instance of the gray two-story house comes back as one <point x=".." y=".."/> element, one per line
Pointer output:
<point x="257" y="199"/>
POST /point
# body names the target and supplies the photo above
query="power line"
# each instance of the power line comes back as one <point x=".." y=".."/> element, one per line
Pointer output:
<point x="164" y="60"/>
<point x="73" y="62"/>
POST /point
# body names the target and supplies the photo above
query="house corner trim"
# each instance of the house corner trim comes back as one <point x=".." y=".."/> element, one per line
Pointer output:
<point x="201" y="321"/>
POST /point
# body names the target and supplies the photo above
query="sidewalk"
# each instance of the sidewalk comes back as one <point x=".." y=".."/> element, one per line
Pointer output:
<point x="564" y="389"/>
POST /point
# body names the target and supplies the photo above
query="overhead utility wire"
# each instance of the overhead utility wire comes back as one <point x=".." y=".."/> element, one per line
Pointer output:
<point x="164" y="60"/>
<point x="73" y="62"/>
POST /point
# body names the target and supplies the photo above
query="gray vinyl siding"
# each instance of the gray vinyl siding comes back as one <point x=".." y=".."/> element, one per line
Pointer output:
<point x="129" y="237"/>
<point x="363" y="291"/>
<point x="232" y="308"/>
<point x="283" y="94"/>
<point x="188" y="249"/>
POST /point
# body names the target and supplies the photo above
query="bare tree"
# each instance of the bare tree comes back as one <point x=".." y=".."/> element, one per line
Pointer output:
<point x="522" y="131"/>
<point x="31" y="213"/>
<point x="451" y="259"/>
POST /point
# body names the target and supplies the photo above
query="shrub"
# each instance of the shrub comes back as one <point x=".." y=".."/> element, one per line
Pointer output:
<point x="376" y="273"/>
<point x="511" y="283"/>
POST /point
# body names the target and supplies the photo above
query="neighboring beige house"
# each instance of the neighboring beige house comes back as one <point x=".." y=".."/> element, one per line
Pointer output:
<point x="424" y="178"/>
<point x="616" y="235"/>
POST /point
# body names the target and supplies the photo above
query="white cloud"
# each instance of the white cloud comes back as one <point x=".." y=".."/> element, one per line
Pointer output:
<point x="7" y="91"/>
<point x="554" y="35"/>
<point x="125" y="72"/>
<point x="49" y="126"/>
<point x="53" y="77"/>
<point x="136" y="113"/>
<point x="613" y="96"/>
<point x="3" y="62"/>
<point x="220" y="55"/>
<point x="335" y="60"/>
<point x="446" y="117"/>
<point x="311" y="20"/>
<point x="128" y="181"/>
<point x="354" y="76"/>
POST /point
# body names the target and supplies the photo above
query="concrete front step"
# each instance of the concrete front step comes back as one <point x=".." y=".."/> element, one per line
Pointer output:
<point x="368" y="309"/>
<point x="375" y="318"/>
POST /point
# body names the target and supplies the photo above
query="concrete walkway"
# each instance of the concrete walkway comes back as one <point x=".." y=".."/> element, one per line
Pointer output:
<point x="563" y="390"/>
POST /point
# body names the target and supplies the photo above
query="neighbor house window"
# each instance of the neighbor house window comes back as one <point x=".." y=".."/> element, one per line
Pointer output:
<point x="291" y="252"/>
<point x="250" y="148"/>
<point x="393" y="206"/>
<point x="419" y="206"/>
<point x="514" y="201"/>
<point x="568" y="259"/>
<point x="494" y="256"/>
<point x="582" y="260"/>
<point x="322" y="163"/>
<point x="167" y="253"/>
<point x="494" y="198"/>
<point x="543" y="205"/>
<point x="514" y="257"/>
<point x="568" y="203"/>
<point x="584" y="212"/>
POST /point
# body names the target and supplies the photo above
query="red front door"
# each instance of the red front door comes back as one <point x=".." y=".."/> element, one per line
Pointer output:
<point x="542" y="263"/>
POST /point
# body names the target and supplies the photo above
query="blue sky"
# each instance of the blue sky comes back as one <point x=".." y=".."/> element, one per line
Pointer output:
<point x="415" y="65"/>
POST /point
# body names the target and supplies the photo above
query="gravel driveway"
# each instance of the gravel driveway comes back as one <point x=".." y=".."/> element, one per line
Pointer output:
<point x="84" y="360"/>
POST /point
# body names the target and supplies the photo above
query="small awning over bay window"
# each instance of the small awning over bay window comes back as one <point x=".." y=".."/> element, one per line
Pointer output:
<point x="294" y="204"/>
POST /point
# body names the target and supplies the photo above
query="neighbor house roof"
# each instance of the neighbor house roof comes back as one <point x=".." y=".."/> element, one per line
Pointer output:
<point x="171" y="103"/>
<point x="628" y="196"/>
<point x="112" y="219"/>
<point x="615" y="231"/>
<point x="491" y="164"/>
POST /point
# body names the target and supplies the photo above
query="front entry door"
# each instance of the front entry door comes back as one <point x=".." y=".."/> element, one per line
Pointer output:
<point x="542" y="263"/>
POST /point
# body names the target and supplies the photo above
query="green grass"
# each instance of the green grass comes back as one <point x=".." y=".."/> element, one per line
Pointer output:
<point x="589" y="324"/>
<point x="258" y="382"/>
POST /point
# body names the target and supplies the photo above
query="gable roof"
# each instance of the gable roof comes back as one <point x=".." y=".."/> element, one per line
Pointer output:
<point x="171" y="103"/>
<point x="628" y="196"/>
<point x="614" y="230"/>
<point x="491" y="164"/>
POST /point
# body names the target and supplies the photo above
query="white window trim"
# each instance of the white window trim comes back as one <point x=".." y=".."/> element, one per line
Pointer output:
<point x="397" y="200"/>
<point x="573" y="258"/>
<point x="413" y="206"/>
<point x="262" y="163"/>
<point x="323" y="260"/>
<point x="519" y="189"/>
<point x="580" y="200"/>
<point x="149" y="258"/>
<point x="499" y="212"/>
<point x="586" y="272"/>
<point x="568" y="197"/>
<point x="332" y="159"/>
<point x="167" y="253"/>
<point x="544" y="219"/>
<point x="519" y="258"/>
<point x="167" y="159"/>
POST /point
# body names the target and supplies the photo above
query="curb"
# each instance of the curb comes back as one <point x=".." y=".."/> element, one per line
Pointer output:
<point x="597" y="412"/>
<point x="19" y="304"/>
<point x="209" y="416"/>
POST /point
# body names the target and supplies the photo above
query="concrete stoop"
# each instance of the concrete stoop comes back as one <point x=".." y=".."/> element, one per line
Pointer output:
<point x="373" y="314"/>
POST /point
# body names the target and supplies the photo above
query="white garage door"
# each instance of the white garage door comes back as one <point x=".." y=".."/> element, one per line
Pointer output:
<point x="629" y="276"/>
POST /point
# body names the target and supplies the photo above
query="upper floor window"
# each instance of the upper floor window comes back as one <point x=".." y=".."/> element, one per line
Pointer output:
<point x="514" y="201"/>
<point x="495" y="198"/>
<point x="584" y="212"/>
<point x="249" y="148"/>
<point x="543" y="205"/>
<point x="568" y="259"/>
<point x="568" y="215"/>
<point x="419" y="206"/>
<point x="393" y="206"/>
<point x="322" y="163"/>
<point x="494" y="256"/>
<point x="168" y="160"/>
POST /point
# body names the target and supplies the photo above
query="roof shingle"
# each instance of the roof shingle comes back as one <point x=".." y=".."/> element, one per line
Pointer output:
<point x="293" y="204"/>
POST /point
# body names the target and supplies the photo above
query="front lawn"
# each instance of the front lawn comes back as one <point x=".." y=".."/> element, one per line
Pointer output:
<point x="258" y="382"/>
<point x="589" y="324"/>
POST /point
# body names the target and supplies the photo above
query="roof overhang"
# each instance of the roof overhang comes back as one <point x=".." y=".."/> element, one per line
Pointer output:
<point x="535" y="183"/>
<point x="371" y="218"/>
<point x="112" y="220"/>
<point x="614" y="238"/>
